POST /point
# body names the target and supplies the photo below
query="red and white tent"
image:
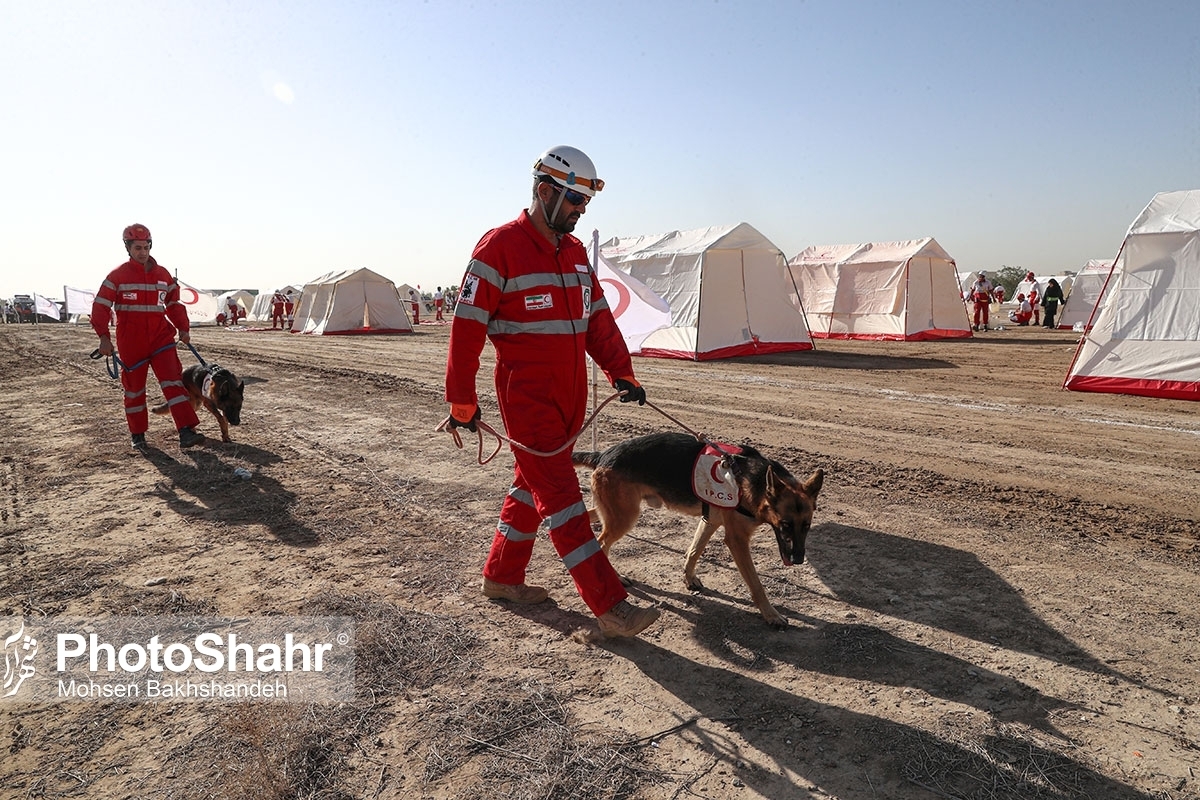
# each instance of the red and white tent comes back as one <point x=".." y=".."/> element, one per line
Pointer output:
<point x="729" y="290"/>
<point x="905" y="291"/>
<point x="1145" y="336"/>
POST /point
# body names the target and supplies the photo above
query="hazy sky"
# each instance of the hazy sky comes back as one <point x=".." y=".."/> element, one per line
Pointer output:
<point x="266" y="143"/>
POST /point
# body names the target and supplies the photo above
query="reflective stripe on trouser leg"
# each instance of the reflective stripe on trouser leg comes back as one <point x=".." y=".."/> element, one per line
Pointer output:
<point x="169" y="372"/>
<point x="515" y="536"/>
<point x="555" y="487"/>
<point x="134" y="383"/>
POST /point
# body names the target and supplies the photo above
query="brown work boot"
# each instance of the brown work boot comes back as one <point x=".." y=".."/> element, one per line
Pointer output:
<point x="519" y="593"/>
<point x="626" y="619"/>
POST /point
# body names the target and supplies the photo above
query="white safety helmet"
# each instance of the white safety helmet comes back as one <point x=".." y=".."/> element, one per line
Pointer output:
<point x="569" y="167"/>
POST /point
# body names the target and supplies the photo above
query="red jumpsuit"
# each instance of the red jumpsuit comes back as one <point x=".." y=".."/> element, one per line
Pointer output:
<point x="143" y="299"/>
<point x="277" y="304"/>
<point x="542" y="308"/>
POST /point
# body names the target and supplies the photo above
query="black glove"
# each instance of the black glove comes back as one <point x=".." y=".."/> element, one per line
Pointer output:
<point x="632" y="391"/>
<point x="464" y="411"/>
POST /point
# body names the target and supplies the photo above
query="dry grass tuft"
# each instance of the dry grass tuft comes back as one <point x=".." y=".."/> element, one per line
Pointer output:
<point x="525" y="746"/>
<point x="993" y="761"/>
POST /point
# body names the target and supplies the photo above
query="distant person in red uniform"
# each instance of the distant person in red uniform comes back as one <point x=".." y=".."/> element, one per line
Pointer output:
<point x="277" y="310"/>
<point x="980" y="294"/>
<point x="415" y="300"/>
<point x="145" y="299"/>
<point x="439" y="300"/>
<point x="289" y="308"/>
<point x="530" y="289"/>
<point x="1023" y="313"/>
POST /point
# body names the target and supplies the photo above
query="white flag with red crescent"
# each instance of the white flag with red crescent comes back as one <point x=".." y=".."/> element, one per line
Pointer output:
<point x="638" y="310"/>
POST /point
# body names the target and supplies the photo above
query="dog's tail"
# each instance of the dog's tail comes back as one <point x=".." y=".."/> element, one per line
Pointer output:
<point x="582" y="458"/>
<point x="162" y="408"/>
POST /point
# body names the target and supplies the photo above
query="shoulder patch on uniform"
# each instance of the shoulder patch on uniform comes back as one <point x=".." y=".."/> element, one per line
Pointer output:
<point x="469" y="289"/>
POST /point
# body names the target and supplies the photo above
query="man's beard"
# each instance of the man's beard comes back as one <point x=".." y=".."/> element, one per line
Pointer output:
<point x="566" y="222"/>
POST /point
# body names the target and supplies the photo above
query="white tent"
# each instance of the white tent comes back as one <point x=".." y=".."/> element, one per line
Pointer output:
<point x="729" y="290"/>
<point x="264" y="302"/>
<point x="243" y="298"/>
<point x="351" y="301"/>
<point x="905" y="291"/>
<point x="1145" y="336"/>
<point x="1086" y="288"/>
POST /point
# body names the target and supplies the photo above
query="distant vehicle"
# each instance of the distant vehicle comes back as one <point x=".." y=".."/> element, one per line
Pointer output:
<point x="26" y="310"/>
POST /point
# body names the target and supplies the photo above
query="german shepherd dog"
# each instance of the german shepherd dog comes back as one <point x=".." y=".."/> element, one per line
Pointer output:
<point x="218" y="390"/>
<point x="657" y="470"/>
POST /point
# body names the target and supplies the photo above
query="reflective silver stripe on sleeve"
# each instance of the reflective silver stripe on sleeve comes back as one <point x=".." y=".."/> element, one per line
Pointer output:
<point x="109" y="284"/>
<point x="472" y="313"/>
<point x="560" y="518"/>
<point x="553" y="326"/>
<point x="580" y="554"/>
<point x="485" y="272"/>
<point x="104" y="302"/>
<point x="514" y="535"/>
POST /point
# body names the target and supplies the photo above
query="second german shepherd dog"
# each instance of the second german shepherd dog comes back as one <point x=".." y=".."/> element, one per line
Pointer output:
<point x="218" y="390"/>
<point x="657" y="470"/>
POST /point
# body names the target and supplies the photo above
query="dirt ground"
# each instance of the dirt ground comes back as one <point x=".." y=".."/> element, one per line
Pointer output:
<point x="999" y="599"/>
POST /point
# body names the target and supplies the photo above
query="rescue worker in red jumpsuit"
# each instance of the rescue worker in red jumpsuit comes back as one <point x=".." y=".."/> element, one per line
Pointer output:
<point x="980" y="294"/>
<point x="289" y="308"/>
<point x="278" y="301"/>
<point x="531" y="290"/>
<point x="145" y="299"/>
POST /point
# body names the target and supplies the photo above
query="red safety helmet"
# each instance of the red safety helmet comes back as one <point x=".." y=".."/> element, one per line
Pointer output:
<point x="135" y="232"/>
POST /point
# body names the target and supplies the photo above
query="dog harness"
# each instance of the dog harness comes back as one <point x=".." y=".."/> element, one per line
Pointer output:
<point x="713" y="479"/>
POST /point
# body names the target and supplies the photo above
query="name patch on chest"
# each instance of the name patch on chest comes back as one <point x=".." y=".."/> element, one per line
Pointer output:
<point x="538" y="302"/>
<point x="129" y="295"/>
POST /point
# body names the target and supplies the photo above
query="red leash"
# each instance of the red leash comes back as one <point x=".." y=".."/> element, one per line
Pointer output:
<point x="482" y="426"/>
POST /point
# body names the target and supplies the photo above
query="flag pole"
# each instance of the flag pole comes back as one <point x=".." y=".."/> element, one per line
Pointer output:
<point x="595" y="261"/>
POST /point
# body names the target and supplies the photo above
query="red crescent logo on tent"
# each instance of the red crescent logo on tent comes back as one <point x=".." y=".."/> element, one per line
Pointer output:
<point x="622" y="295"/>
<point x="183" y="293"/>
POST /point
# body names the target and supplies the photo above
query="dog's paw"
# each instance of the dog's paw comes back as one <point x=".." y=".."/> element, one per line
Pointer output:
<point x="775" y="619"/>
<point x="693" y="583"/>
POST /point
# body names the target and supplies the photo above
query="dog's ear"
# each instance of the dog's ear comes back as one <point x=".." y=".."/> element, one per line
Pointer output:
<point x="812" y="486"/>
<point x="241" y="384"/>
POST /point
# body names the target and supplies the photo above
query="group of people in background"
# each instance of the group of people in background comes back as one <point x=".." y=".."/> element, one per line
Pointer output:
<point x="1034" y="300"/>
<point x="443" y="301"/>
<point x="282" y="308"/>
<point x="1030" y="303"/>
